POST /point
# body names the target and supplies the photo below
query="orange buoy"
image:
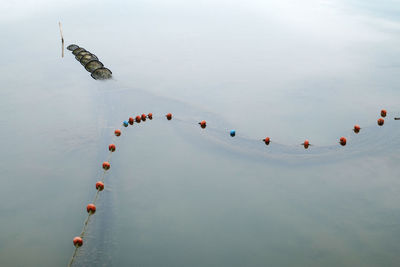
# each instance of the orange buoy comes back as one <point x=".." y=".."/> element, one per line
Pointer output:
<point x="267" y="140"/>
<point x="100" y="186"/>
<point x="111" y="147"/>
<point x="130" y="120"/>
<point x="356" y="128"/>
<point x="143" y="117"/>
<point x="203" y="124"/>
<point x="117" y="132"/>
<point x="381" y="121"/>
<point x="383" y="113"/>
<point x="91" y="208"/>
<point x="169" y="116"/>
<point x="77" y="241"/>
<point x="150" y="116"/>
<point x="342" y="141"/>
<point x="138" y="119"/>
<point x="306" y="144"/>
<point x="106" y="165"/>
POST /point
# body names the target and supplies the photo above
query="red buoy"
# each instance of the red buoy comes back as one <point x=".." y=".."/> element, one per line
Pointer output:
<point x="77" y="241"/>
<point x="381" y="121"/>
<point x="130" y="120"/>
<point x="111" y="147"/>
<point x="143" y="117"/>
<point x="357" y="128"/>
<point x="342" y="141"/>
<point x="383" y="113"/>
<point x="106" y="165"/>
<point x="138" y="119"/>
<point x="306" y="144"/>
<point x="100" y="186"/>
<point x="203" y="124"/>
<point x="150" y="116"/>
<point x="91" y="208"/>
<point x="267" y="140"/>
<point x="169" y="116"/>
<point x="117" y="132"/>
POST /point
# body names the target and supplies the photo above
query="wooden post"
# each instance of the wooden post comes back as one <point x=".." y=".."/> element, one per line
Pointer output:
<point x="62" y="40"/>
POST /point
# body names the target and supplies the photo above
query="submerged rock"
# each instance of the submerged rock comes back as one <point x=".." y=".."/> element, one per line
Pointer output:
<point x="81" y="54"/>
<point x="93" y="65"/>
<point x="102" y="74"/>
<point x="86" y="58"/>
<point x="72" y="47"/>
<point x="78" y="50"/>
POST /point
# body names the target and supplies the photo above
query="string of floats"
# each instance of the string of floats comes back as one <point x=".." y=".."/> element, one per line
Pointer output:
<point x="91" y="208"/>
<point x="106" y="165"/>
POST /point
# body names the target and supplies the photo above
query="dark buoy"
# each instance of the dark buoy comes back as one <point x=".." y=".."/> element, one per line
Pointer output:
<point x="125" y="123"/>
<point x="397" y="119"/>
<point x="77" y="241"/>
<point x="306" y="144"/>
<point x="169" y="116"/>
<point x="100" y="186"/>
<point x="143" y="117"/>
<point x="138" y="119"/>
<point x="106" y="165"/>
<point x="203" y="124"/>
<point x="381" y="121"/>
<point x="267" y="140"/>
<point x="150" y="116"/>
<point x="111" y="147"/>
<point x="383" y="113"/>
<point x="342" y="141"/>
<point x="356" y="128"/>
<point x="91" y="208"/>
<point x="232" y="133"/>
<point x="130" y="120"/>
<point x="117" y="132"/>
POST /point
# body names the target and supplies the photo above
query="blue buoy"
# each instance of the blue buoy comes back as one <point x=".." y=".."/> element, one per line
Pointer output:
<point x="126" y="123"/>
<point x="233" y="133"/>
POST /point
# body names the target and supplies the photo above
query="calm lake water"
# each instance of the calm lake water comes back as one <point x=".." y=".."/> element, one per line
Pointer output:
<point x="178" y="195"/>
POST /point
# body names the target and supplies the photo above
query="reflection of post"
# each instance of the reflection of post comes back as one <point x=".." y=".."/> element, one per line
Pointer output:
<point x="62" y="40"/>
<point x="397" y="119"/>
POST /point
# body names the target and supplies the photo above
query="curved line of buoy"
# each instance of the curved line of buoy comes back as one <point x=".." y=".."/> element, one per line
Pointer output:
<point x="91" y="207"/>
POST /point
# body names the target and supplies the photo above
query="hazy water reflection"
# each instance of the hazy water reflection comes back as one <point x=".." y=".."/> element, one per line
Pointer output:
<point x="178" y="195"/>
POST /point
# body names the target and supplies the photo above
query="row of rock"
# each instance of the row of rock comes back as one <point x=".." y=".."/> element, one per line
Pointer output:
<point x="90" y="62"/>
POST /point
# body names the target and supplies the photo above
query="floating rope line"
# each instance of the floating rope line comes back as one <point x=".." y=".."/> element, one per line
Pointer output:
<point x="91" y="208"/>
<point x="343" y="140"/>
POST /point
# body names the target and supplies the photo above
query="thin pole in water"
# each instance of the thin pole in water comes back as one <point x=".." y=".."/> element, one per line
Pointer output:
<point x="62" y="40"/>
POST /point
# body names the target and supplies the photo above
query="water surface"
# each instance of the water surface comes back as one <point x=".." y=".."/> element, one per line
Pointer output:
<point x="177" y="195"/>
